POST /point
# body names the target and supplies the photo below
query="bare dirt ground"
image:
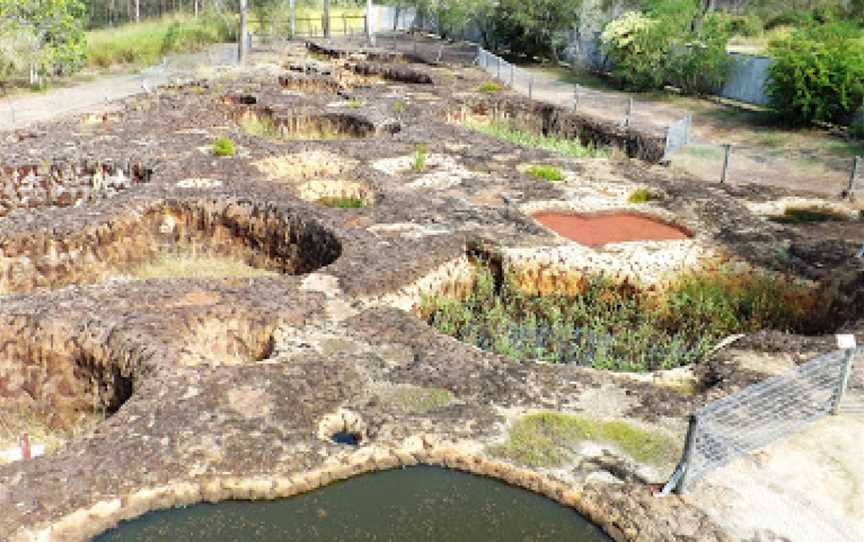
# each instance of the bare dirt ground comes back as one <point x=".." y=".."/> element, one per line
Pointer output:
<point x="763" y="152"/>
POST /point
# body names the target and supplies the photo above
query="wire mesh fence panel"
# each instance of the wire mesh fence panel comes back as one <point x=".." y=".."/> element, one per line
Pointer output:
<point x="761" y="413"/>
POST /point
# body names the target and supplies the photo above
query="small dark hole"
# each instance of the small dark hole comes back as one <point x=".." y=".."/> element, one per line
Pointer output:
<point x="344" y="437"/>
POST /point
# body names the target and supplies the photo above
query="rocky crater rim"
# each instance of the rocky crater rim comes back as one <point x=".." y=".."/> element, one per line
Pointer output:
<point x="86" y="523"/>
<point x="66" y="184"/>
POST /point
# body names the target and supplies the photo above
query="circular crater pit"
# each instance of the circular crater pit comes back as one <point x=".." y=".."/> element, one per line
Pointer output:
<point x="338" y="194"/>
<point x="600" y="229"/>
<point x="166" y="240"/>
<point x="264" y="122"/>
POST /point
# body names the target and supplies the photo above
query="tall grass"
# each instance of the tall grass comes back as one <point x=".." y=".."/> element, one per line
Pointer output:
<point x="620" y="327"/>
<point x="145" y="43"/>
<point x="505" y="132"/>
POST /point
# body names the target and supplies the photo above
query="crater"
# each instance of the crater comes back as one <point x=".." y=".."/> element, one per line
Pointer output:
<point x="63" y="184"/>
<point x="600" y="229"/>
<point x="339" y="194"/>
<point x="257" y="235"/>
<point x="304" y="126"/>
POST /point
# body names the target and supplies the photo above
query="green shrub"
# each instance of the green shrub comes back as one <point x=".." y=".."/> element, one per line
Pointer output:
<point x="223" y="147"/>
<point x="489" y="87"/>
<point x="818" y="74"/>
<point x="642" y="195"/>
<point x="808" y="215"/>
<point x="543" y="171"/>
<point x="649" y="50"/>
<point x="638" y="47"/>
<point x="748" y="26"/>
<point x="701" y="65"/>
<point x="420" y="155"/>
<point x="856" y="130"/>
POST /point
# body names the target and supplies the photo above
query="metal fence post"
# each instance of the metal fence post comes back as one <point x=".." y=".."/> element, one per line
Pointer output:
<point x="498" y="63"/>
<point x="576" y="98"/>
<point x="724" y="174"/>
<point x="512" y="75"/>
<point x="628" y="113"/>
<point x="530" y="87"/>
<point x="856" y="164"/>
<point x="845" y="371"/>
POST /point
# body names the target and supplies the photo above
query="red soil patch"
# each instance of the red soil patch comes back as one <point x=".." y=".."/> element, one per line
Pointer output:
<point x="601" y="229"/>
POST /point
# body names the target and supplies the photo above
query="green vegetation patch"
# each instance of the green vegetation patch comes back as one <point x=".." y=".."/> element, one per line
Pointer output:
<point x="545" y="171"/>
<point x="643" y="195"/>
<point x="620" y="327"/>
<point x="421" y="153"/>
<point x="260" y="126"/>
<point x="342" y="203"/>
<point x="505" y="132"/>
<point x="419" y="400"/>
<point x="808" y="215"/>
<point x="489" y="87"/>
<point x="223" y="147"/>
<point x="547" y="439"/>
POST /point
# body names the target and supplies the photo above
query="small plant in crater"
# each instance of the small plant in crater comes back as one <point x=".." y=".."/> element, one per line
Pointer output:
<point x="421" y="153"/>
<point x="489" y="87"/>
<point x="342" y="202"/>
<point x="260" y="126"/>
<point x="399" y="107"/>
<point x="354" y="103"/>
<point x="643" y="195"/>
<point x="504" y="131"/>
<point x="808" y="215"/>
<point x="545" y="171"/>
<point x="223" y="146"/>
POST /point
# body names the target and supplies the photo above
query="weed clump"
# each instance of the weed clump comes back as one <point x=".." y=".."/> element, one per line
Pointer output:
<point x="547" y="172"/>
<point x="421" y="153"/>
<point x="223" y="146"/>
<point x="642" y="195"/>
<point x="547" y="438"/>
<point x="489" y="87"/>
<point x="620" y="327"/>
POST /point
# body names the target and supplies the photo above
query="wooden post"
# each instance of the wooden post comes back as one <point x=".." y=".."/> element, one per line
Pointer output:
<point x="242" y="50"/>
<point x="724" y="174"/>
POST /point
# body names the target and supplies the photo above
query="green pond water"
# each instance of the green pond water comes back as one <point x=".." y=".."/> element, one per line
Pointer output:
<point x="412" y="505"/>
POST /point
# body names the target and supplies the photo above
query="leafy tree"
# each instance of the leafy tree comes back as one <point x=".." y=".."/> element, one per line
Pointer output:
<point x="54" y="31"/>
<point x="701" y="64"/>
<point x="818" y="73"/>
<point x="639" y="47"/>
<point x="536" y="27"/>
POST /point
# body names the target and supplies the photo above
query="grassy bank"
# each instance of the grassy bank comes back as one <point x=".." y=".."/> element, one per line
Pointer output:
<point x="144" y="43"/>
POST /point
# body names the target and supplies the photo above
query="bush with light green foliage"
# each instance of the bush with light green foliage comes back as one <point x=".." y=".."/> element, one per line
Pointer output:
<point x="223" y="147"/>
<point x="818" y="73"/>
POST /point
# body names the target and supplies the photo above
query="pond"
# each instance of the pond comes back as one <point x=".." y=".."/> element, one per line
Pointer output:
<point x="413" y="505"/>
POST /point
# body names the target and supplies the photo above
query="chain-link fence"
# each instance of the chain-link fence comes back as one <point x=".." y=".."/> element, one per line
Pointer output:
<point x="760" y="414"/>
